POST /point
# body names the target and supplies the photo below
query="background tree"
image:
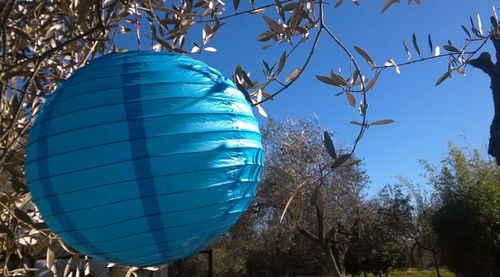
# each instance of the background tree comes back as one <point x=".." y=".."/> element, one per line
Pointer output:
<point x="382" y="236"/>
<point x="467" y="218"/>
<point x="326" y="205"/>
<point x="421" y="231"/>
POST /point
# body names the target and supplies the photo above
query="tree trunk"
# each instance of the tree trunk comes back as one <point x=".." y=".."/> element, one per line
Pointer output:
<point x="211" y="263"/>
<point x="164" y="270"/>
<point x="335" y="269"/>
<point x="493" y="70"/>
<point x="412" y="255"/>
<point x="494" y="145"/>
<point x="436" y="262"/>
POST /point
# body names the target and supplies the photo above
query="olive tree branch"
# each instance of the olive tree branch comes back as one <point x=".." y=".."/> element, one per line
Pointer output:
<point x="299" y="187"/>
<point x="241" y="13"/>
<point x="363" y="87"/>
<point x="418" y="60"/>
<point x="308" y="234"/>
<point x="451" y="54"/>
<point x="18" y="109"/>
<point x="39" y="59"/>
<point x="51" y="51"/>
<point x="473" y="53"/>
<point x="2" y="27"/>
<point x="103" y="30"/>
<point x="20" y="220"/>
<point x="304" y="65"/>
<point x="322" y="25"/>
<point x="16" y="89"/>
<point x="274" y="78"/>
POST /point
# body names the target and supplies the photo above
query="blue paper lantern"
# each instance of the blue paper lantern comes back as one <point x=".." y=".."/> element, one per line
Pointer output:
<point x="141" y="158"/>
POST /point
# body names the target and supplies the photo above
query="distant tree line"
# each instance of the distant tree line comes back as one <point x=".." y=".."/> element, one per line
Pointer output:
<point x="456" y="224"/>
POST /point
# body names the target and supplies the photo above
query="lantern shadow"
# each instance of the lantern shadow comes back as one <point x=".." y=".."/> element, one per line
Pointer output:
<point x="139" y="148"/>
<point x="47" y="186"/>
<point x="149" y="193"/>
<point x="238" y="181"/>
<point x="221" y="83"/>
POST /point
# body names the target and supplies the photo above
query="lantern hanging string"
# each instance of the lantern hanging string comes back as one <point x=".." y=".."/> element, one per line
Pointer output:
<point x="137" y="26"/>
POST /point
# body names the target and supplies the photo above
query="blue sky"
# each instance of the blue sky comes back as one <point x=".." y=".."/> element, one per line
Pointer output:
<point x="426" y="117"/>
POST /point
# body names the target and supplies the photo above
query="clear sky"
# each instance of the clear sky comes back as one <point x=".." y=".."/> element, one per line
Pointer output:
<point x="427" y="117"/>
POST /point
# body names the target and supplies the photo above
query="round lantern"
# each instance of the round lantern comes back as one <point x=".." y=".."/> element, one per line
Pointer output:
<point x="141" y="158"/>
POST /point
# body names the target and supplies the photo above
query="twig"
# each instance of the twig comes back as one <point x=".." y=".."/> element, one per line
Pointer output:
<point x="104" y="24"/>
<point x="308" y="234"/>
<point x="419" y="60"/>
<point x="363" y="87"/>
<point x="299" y="187"/>
<point x="302" y="69"/>
<point x="470" y="54"/>
<point x="243" y="12"/>
<point x="473" y="53"/>
<point x="7" y="14"/>
<point x="322" y="26"/>
<point x="20" y="220"/>
<point x="19" y="90"/>
<point x="47" y="53"/>
<point x="9" y="145"/>
<point x="18" y="111"/>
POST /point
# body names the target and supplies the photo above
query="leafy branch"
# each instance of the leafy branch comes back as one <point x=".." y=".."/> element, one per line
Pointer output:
<point x="254" y="10"/>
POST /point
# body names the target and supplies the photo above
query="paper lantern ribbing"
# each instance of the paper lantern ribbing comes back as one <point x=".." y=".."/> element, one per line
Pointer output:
<point x="141" y="158"/>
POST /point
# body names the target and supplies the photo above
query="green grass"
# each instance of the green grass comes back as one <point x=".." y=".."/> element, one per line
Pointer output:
<point x="414" y="272"/>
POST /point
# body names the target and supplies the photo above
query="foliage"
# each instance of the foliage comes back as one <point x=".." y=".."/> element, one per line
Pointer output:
<point x="295" y="151"/>
<point x="327" y="195"/>
<point x="467" y="219"/>
<point x="381" y="238"/>
<point x="412" y="272"/>
<point x="43" y="42"/>
<point x="41" y="45"/>
<point x="421" y="231"/>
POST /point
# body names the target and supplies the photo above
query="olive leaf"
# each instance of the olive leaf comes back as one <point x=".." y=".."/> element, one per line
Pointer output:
<point x="442" y="78"/>
<point x="415" y="44"/>
<point x="340" y="160"/>
<point x="365" y="55"/>
<point x="330" y="148"/>
<point x="381" y="122"/>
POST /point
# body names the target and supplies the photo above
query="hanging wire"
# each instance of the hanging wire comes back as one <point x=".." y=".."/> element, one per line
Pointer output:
<point x="137" y="26"/>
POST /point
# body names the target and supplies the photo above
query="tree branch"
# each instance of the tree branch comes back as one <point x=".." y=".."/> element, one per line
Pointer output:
<point x="243" y="12"/>
<point x="308" y="234"/>
<point x="18" y="109"/>
<point x="484" y="63"/>
<point x="419" y="60"/>
<point x="304" y="66"/>
<point x="18" y="90"/>
<point x="332" y="260"/>
<point x="363" y="87"/>
<point x="7" y="14"/>
<point x="58" y="47"/>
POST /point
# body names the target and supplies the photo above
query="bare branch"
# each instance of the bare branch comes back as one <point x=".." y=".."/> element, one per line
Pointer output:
<point x="308" y="234"/>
